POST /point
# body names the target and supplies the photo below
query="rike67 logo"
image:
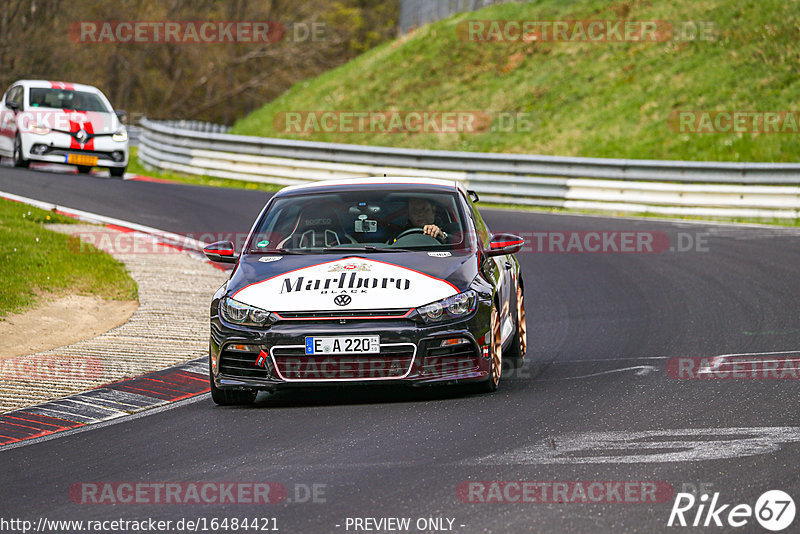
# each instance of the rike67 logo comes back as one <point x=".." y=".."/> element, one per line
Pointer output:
<point x="774" y="510"/>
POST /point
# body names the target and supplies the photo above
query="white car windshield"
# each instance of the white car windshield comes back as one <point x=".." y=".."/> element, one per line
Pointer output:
<point x="44" y="97"/>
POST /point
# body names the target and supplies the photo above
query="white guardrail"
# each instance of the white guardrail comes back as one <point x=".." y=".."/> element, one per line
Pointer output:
<point x="723" y="189"/>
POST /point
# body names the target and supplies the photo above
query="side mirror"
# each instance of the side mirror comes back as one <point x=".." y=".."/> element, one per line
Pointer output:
<point x="121" y="115"/>
<point x="473" y="195"/>
<point x="221" y="251"/>
<point x="12" y="105"/>
<point x="501" y="244"/>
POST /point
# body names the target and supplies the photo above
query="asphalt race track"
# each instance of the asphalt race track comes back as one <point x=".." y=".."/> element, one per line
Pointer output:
<point x="594" y="402"/>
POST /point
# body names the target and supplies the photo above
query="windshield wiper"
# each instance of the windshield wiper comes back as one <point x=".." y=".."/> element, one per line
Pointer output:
<point x="276" y="251"/>
<point x="365" y="248"/>
<point x="369" y="248"/>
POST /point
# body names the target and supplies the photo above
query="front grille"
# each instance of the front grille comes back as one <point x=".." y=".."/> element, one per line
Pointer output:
<point x="241" y="365"/>
<point x="448" y="360"/>
<point x="393" y="362"/>
<point x="336" y="314"/>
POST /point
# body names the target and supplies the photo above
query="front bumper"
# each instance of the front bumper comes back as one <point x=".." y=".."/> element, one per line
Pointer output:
<point x="410" y="354"/>
<point x="55" y="147"/>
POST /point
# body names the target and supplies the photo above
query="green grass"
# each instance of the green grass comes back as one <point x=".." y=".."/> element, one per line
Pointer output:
<point x="136" y="166"/>
<point x="586" y="99"/>
<point x="35" y="261"/>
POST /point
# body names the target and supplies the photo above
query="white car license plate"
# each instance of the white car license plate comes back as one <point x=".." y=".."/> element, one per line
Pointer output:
<point x="343" y="345"/>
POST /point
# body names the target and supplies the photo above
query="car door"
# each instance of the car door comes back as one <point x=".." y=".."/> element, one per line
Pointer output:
<point x="8" y="123"/>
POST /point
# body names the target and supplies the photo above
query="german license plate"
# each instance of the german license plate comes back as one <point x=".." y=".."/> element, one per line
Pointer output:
<point x="82" y="159"/>
<point x="343" y="345"/>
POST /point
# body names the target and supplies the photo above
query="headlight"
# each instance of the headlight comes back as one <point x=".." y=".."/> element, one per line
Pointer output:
<point x="237" y="312"/>
<point x="38" y="129"/>
<point x="454" y="307"/>
<point x="121" y="135"/>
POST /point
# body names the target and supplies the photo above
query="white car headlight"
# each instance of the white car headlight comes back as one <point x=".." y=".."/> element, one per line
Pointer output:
<point x="121" y="135"/>
<point x="236" y="312"/>
<point x="454" y="307"/>
<point x="38" y="129"/>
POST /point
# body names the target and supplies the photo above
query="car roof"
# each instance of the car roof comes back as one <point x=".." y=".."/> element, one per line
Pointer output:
<point x="57" y="85"/>
<point x="376" y="181"/>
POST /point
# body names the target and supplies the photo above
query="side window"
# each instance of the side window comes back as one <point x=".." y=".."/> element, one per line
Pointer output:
<point x="15" y="95"/>
<point x="480" y="226"/>
<point x="475" y="226"/>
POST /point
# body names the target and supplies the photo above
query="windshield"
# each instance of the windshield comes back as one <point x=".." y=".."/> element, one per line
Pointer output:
<point x="382" y="220"/>
<point x="43" y="97"/>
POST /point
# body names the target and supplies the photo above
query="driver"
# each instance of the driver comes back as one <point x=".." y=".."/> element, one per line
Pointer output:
<point x="421" y="214"/>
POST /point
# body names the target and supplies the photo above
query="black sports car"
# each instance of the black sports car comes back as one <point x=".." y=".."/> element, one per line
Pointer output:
<point x="370" y="280"/>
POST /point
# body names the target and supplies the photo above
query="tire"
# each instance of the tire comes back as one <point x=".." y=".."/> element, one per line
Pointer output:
<point x="496" y="354"/>
<point x="117" y="172"/>
<point x="84" y="169"/>
<point x="231" y="397"/>
<point x="516" y="353"/>
<point x="19" y="160"/>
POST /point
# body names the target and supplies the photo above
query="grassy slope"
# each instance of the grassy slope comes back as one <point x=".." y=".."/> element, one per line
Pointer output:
<point x="35" y="260"/>
<point x="588" y="99"/>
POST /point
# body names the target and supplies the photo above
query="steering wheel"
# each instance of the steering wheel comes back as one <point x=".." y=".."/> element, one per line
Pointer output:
<point x="415" y="231"/>
<point x="409" y="232"/>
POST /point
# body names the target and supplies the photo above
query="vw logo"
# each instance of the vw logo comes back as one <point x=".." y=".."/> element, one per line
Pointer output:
<point x="81" y="135"/>
<point x="342" y="300"/>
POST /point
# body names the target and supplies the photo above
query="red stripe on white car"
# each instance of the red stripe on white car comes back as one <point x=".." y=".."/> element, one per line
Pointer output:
<point x="90" y="130"/>
<point x="62" y="85"/>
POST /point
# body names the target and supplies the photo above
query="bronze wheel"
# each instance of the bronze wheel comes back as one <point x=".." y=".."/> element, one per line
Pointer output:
<point x="496" y="350"/>
<point x="496" y="354"/>
<point x="519" y="344"/>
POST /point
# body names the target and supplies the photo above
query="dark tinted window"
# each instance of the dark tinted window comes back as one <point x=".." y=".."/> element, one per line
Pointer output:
<point x="382" y="218"/>
<point x="15" y="95"/>
<point x="43" y="97"/>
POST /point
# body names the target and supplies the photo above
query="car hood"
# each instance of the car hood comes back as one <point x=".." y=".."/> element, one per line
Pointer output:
<point x="307" y="283"/>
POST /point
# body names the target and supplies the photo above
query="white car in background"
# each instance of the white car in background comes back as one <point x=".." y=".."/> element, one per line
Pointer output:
<point x="60" y="122"/>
